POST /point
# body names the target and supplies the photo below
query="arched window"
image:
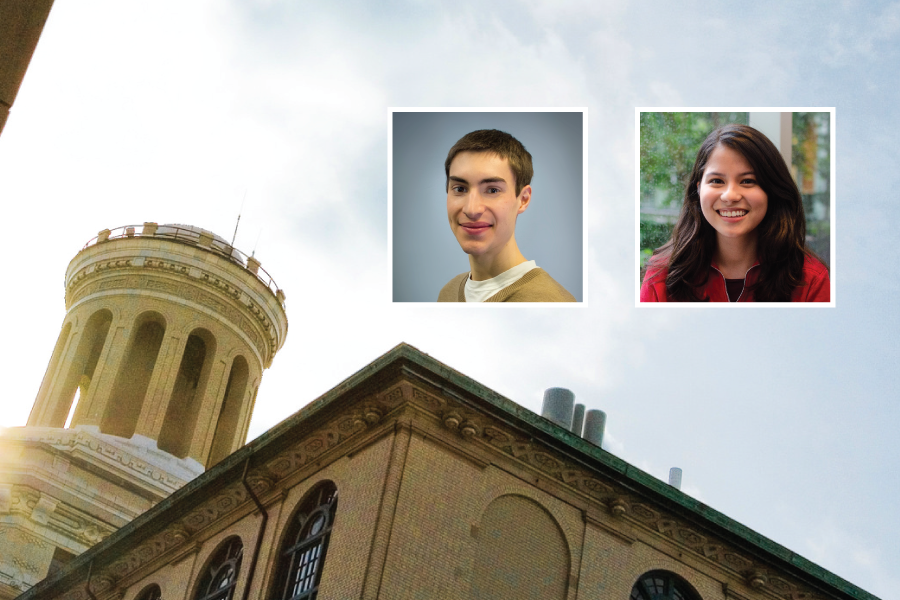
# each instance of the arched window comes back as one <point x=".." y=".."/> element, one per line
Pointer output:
<point x="305" y="545"/>
<point x="220" y="577"/>
<point x="151" y="592"/>
<point x="662" y="585"/>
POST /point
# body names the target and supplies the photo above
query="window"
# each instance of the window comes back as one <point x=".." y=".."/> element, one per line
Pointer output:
<point x="150" y="593"/>
<point x="662" y="585"/>
<point x="220" y="577"/>
<point x="305" y="545"/>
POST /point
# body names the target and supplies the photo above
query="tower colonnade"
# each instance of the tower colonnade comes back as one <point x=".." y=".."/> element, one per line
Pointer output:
<point x="158" y="376"/>
<point x="165" y="338"/>
<point x="152" y="380"/>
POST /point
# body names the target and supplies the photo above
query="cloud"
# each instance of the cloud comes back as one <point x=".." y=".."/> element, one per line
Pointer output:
<point x="833" y="546"/>
<point x="865" y="37"/>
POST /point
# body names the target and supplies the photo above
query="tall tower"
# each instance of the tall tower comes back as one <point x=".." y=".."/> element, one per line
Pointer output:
<point x="153" y="378"/>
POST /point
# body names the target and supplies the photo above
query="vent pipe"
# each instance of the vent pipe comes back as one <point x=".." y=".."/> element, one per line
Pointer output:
<point x="558" y="406"/>
<point x="578" y="420"/>
<point x="675" y="478"/>
<point x="594" y="424"/>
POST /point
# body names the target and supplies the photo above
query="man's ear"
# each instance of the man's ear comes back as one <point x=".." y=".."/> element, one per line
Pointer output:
<point x="524" y="199"/>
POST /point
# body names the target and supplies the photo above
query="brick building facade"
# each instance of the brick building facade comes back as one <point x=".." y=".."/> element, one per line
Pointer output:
<point x="410" y="480"/>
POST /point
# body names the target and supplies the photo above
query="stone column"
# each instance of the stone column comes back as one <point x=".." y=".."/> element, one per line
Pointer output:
<point x="118" y="340"/>
<point x="104" y="375"/>
<point x="249" y="399"/>
<point x="43" y="408"/>
<point x="159" y="391"/>
<point x="211" y="406"/>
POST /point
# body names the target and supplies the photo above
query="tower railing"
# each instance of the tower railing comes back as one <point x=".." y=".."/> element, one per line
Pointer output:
<point x="193" y="237"/>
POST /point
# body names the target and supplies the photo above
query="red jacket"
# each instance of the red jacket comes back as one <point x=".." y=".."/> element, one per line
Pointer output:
<point x="816" y="285"/>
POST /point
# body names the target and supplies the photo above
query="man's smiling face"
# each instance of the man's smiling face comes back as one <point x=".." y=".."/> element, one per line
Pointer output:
<point x="482" y="204"/>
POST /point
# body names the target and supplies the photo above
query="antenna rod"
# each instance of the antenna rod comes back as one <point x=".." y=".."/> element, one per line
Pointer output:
<point x="234" y="237"/>
<point x="257" y="242"/>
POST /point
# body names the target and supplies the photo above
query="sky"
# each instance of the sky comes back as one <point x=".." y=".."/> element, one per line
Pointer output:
<point x="189" y="112"/>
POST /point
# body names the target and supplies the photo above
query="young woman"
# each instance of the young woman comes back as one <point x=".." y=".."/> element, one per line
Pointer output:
<point x="741" y="233"/>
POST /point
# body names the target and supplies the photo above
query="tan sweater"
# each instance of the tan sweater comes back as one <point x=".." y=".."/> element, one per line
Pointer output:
<point x="535" y="286"/>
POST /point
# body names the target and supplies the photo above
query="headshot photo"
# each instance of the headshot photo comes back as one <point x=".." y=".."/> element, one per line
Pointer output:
<point x="735" y="206"/>
<point x="487" y="206"/>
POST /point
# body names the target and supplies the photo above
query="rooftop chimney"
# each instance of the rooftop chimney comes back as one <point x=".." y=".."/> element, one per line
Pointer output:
<point x="558" y="406"/>
<point x="578" y="420"/>
<point x="675" y="477"/>
<point x="594" y="424"/>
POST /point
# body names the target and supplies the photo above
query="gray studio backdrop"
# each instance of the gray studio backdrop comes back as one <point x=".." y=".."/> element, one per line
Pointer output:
<point x="425" y="252"/>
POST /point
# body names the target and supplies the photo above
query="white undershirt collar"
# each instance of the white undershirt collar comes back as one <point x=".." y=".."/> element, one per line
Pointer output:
<point x="479" y="291"/>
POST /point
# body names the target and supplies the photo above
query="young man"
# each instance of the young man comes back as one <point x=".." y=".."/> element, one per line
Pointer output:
<point x="488" y="186"/>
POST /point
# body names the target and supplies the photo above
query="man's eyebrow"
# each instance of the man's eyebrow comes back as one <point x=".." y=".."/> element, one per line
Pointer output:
<point x="485" y="180"/>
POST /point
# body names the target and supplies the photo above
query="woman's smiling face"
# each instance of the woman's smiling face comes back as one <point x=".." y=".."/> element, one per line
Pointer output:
<point x="731" y="198"/>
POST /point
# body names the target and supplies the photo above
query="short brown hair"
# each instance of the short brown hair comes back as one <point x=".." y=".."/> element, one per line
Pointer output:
<point x="497" y="142"/>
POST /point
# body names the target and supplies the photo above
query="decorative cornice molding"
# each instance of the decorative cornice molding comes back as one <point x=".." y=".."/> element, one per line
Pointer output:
<point x="473" y="427"/>
<point x="367" y="414"/>
<point x="230" y="281"/>
<point x="619" y="501"/>
<point x="35" y="514"/>
<point x="11" y="531"/>
<point x="226" y="302"/>
<point x="72" y="441"/>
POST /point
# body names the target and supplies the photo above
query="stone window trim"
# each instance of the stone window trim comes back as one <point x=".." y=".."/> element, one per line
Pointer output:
<point x="151" y="592"/>
<point x="305" y="544"/>
<point x="662" y="585"/>
<point x="219" y="578"/>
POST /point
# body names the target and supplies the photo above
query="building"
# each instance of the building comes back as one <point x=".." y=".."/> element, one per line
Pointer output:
<point x="411" y="480"/>
<point x="21" y="24"/>
<point x="152" y="380"/>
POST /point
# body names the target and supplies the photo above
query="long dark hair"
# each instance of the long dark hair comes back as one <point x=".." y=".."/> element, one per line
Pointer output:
<point x="781" y="244"/>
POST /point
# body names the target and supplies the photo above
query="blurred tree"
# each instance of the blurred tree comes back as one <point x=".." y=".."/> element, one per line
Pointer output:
<point x="669" y="145"/>
<point x="811" y="166"/>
